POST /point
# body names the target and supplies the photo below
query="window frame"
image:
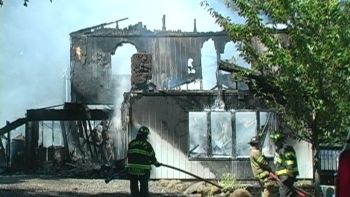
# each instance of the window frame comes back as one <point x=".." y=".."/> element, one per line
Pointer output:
<point x="233" y="156"/>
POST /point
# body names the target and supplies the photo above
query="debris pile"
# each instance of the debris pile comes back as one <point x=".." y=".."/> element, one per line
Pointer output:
<point x="194" y="189"/>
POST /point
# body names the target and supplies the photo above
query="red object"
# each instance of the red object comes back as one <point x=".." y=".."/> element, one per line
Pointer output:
<point x="343" y="179"/>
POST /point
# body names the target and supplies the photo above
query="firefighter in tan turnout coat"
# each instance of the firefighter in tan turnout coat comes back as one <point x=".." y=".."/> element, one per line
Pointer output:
<point x="260" y="168"/>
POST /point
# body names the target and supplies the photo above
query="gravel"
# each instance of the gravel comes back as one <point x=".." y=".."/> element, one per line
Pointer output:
<point x="47" y="185"/>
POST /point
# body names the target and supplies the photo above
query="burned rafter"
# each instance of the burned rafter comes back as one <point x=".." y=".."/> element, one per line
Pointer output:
<point x="70" y="112"/>
<point x="12" y="125"/>
<point x="259" y="84"/>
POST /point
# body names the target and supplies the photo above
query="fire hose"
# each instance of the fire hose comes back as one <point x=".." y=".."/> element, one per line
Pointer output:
<point x="299" y="191"/>
<point x="116" y="175"/>
<point x="119" y="174"/>
<point x="195" y="176"/>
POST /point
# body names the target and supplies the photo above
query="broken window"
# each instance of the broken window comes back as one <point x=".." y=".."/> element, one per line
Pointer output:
<point x="50" y="134"/>
<point x="245" y="130"/>
<point x="226" y="134"/>
<point x="198" y="146"/>
<point x="221" y="133"/>
<point x="267" y="123"/>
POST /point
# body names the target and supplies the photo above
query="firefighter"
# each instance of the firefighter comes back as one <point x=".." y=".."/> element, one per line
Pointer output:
<point x="286" y="165"/>
<point x="140" y="157"/>
<point x="260" y="168"/>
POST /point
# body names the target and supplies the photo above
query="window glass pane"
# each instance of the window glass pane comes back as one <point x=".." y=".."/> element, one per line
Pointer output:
<point x="245" y="130"/>
<point x="57" y="134"/>
<point x="221" y="134"/>
<point x="46" y="133"/>
<point x="198" y="139"/>
<point x="50" y="134"/>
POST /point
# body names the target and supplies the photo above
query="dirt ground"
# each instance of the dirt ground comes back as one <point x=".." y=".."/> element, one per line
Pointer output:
<point x="86" y="179"/>
<point x="56" y="186"/>
<point x="44" y="185"/>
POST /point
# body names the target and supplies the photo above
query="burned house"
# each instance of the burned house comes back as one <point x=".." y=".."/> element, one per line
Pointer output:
<point x="203" y="131"/>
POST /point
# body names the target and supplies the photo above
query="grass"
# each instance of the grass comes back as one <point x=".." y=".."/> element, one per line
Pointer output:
<point x="230" y="183"/>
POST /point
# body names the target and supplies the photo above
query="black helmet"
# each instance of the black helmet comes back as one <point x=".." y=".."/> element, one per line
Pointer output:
<point x="143" y="130"/>
<point x="254" y="141"/>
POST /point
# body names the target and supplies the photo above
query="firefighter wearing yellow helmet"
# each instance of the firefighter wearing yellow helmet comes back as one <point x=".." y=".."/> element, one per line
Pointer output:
<point x="286" y="164"/>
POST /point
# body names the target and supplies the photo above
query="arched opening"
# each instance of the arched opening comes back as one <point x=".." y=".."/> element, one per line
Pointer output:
<point x="225" y="78"/>
<point x="121" y="74"/>
<point x="229" y="51"/>
<point x="209" y="64"/>
<point x="121" y="70"/>
<point x="232" y="55"/>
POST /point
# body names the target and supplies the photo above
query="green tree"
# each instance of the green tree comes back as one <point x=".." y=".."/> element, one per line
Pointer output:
<point x="304" y="70"/>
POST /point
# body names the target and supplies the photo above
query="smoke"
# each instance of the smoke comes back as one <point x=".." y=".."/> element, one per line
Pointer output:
<point x="35" y="42"/>
<point x="121" y="71"/>
<point x="117" y="132"/>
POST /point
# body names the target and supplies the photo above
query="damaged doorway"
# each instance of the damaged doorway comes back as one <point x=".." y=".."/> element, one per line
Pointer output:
<point x="121" y="75"/>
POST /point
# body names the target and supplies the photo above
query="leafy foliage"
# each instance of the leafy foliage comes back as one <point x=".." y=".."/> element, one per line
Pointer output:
<point x="303" y="69"/>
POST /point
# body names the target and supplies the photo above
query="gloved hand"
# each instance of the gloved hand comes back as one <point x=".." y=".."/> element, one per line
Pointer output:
<point x="157" y="164"/>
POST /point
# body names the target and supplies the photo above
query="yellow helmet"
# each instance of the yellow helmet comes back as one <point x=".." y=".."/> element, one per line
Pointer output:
<point x="276" y="136"/>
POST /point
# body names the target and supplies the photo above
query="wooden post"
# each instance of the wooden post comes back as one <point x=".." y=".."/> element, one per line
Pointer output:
<point x="87" y="139"/>
<point x="93" y="138"/>
<point x="65" y="140"/>
<point x="31" y="143"/>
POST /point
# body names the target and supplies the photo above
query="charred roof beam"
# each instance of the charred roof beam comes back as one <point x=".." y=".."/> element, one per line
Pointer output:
<point x="68" y="114"/>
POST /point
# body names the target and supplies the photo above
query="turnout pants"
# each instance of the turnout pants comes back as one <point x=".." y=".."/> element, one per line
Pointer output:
<point x="139" y="185"/>
<point x="286" y="189"/>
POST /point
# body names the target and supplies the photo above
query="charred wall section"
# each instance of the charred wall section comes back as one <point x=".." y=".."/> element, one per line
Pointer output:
<point x="167" y="115"/>
<point x="91" y="50"/>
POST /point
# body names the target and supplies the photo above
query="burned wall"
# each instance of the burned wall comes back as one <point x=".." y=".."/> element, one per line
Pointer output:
<point x="91" y="51"/>
<point x="141" y="70"/>
<point x="167" y="116"/>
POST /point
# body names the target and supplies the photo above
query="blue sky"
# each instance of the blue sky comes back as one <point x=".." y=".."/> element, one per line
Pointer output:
<point x="34" y="41"/>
